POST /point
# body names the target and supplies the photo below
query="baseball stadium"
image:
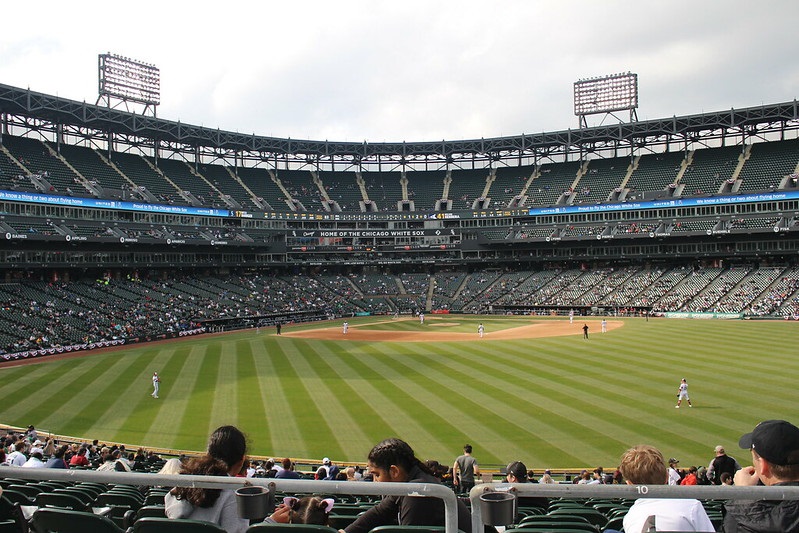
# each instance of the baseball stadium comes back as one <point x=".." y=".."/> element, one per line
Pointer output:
<point x="538" y="296"/>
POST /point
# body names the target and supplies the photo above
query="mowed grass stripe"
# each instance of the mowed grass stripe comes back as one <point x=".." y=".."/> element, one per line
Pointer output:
<point x="165" y="418"/>
<point x="197" y="413"/>
<point x="89" y="395"/>
<point x="643" y="404"/>
<point x="325" y="401"/>
<point x="488" y="414"/>
<point x="250" y="408"/>
<point x="593" y="405"/>
<point x="630" y="373"/>
<point x="129" y="386"/>
<point x="449" y="397"/>
<point x="528" y="410"/>
<point x="57" y="396"/>
<point x="315" y="429"/>
<point x="372" y="423"/>
<point x="52" y="386"/>
<point x="280" y="434"/>
<point x="225" y="384"/>
<point x="344" y="411"/>
<point x="404" y="415"/>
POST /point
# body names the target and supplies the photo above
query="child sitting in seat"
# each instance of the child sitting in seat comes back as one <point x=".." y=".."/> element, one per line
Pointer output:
<point x="307" y="510"/>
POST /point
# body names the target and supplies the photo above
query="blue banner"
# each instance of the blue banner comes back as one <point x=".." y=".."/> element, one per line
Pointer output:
<point x="71" y="201"/>
<point x="670" y="203"/>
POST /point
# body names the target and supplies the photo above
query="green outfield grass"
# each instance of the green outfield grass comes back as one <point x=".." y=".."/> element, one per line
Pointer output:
<point x="557" y="402"/>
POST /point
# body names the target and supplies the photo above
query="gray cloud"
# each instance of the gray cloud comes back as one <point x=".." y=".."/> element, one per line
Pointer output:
<point x="372" y="70"/>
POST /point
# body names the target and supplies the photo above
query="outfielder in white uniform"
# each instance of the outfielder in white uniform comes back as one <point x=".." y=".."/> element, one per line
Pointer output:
<point x="480" y="330"/>
<point x="156" y="385"/>
<point x="682" y="394"/>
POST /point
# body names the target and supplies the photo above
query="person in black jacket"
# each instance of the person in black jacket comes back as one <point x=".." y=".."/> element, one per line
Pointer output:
<point x="775" y="457"/>
<point x="720" y="464"/>
<point x="394" y="460"/>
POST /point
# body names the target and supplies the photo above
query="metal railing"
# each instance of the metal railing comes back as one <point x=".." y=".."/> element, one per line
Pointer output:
<point x="699" y="492"/>
<point x="298" y="486"/>
<point x="430" y="490"/>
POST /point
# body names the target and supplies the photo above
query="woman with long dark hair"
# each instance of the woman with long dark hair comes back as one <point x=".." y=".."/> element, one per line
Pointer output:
<point x="227" y="448"/>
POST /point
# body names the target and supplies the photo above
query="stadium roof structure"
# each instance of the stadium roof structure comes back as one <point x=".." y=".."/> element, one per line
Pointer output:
<point x="46" y="113"/>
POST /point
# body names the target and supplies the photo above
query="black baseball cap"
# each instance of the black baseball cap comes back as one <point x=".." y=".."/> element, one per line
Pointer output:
<point x="776" y="441"/>
<point x="518" y="470"/>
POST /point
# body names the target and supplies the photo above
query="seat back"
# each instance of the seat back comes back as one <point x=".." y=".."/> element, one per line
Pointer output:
<point x="12" y="512"/>
<point x="119" y="499"/>
<point x="590" y="514"/>
<point x="408" y="529"/>
<point x="290" y="528"/>
<point x="53" y="520"/>
<point x="60" y="500"/>
<point x="174" y="525"/>
<point x="14" y="496"/>
<point x="84" y="496"/>
<point x="28" y="490"/>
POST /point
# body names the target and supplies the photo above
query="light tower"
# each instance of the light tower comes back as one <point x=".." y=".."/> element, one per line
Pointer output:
<point x="123" y="81"/>
<point x="606" y="94"/>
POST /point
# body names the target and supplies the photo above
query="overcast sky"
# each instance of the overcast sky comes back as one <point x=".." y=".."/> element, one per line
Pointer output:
<point x="409" y="70"/>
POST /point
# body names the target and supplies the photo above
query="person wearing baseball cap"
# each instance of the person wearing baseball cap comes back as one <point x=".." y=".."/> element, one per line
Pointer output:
<point x="775" y="457"/>
<point x="674" y="475"/>
<point x="516" y="472"/>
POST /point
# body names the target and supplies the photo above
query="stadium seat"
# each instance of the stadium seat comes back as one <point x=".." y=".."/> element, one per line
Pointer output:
<point x="15" y="496"/>
<point x="84" y="496"/>
<point x="547" y="518"/>
<point x="152" y="524"/>
<point x="551" y="525"/>
<point x="151" y="511"/>
<point x="28" y="490"/>
<point x="290" y="528"/>
<point x="12" y="512"/>
<point x="614" y="524"/>
<point x="61" y="500"/>
<point x="590" y="514"/>
<point x="340" y="521"/>
<point x="408" y="529"/>
<point x="52" y="520"/>
<point x="119" y="499"/>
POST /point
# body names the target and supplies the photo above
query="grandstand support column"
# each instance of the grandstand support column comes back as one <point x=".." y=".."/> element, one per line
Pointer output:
<point x="447" y="182"/>
<point x="632" y="168"/>
<point x="361" y="185"/>
<point x="319" y="185"/>
<point x="253" y="197"/>
<point x="736" y="174"/>
<point x="689" y="159"/>
<point x="428" y="306"/>
<point x="88" y="185"/>
<point x="404" y="185"/>
<point x="491" y="178"/>
<point x="113" y="165"/>
<point x="288" y="199"/>
<point x="11" y="157"/>
<point x="533" y="176"/>
<point x="164" y="177"/>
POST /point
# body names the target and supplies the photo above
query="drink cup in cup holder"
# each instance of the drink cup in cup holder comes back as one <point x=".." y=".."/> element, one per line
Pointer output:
<point x="255" y="502"/>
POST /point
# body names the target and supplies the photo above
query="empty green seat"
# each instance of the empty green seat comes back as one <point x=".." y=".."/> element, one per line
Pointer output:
<point x="174" y="525"/>
<point x="53" y="520"/>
